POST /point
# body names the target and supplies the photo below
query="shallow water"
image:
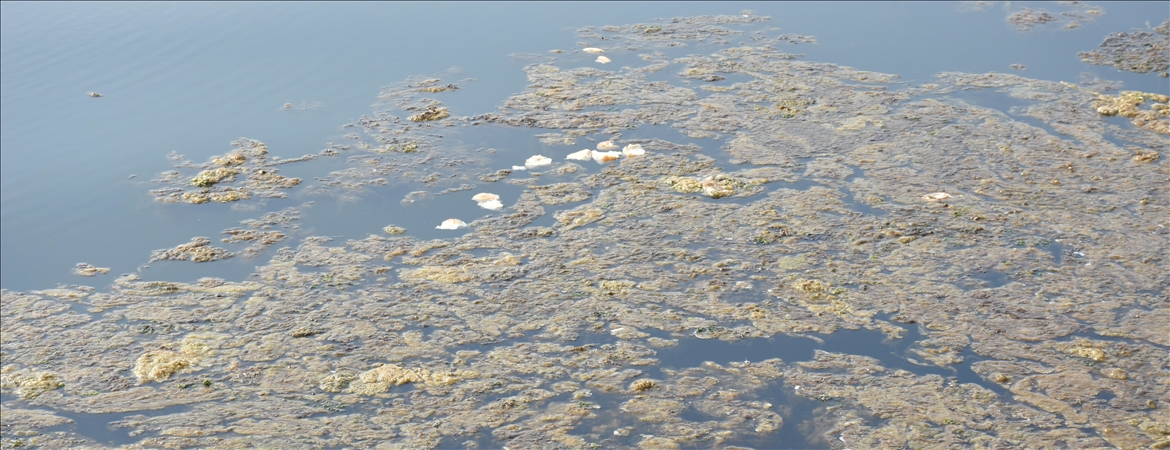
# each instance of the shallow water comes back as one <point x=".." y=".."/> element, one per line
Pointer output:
<point x="190" y="78"/>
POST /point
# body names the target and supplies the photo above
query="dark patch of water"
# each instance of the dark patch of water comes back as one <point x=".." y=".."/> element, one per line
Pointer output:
<point x="692" y="352"/>
<point x="847" y="197"/>
<point x="1056" y="249"/>
<point x="99" y="426"/>
<point x="1092" y="336"/>
<point x="991" y="278"/>
<point x="1004" y="103"/>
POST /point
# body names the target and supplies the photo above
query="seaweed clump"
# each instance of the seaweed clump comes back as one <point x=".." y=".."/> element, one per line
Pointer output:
<point x="213" y="183"/>
<point x="432" y="113"/>
<point x="1127" y="104"/>
<point x="89" y="270"/>
<point x="1139" y="51"/>
<point x="198" y="250"/>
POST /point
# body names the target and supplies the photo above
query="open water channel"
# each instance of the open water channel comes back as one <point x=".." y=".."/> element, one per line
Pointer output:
<point x="768" y="275"/>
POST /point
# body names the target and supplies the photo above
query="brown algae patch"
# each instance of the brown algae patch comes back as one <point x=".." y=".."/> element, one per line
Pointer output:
<point x="432" y="113"/>
<point x="198" y="250"/>
<point x="1140" y="51"/>
<point x="88" y="270"/>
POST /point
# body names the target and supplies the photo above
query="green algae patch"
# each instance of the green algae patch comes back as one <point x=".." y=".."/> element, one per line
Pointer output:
<point x="159" y="365"/>
<point x="31" y="384"/>
<point x="380" y="379"/>
<point x="436" y="273"/>
<point x="243" y="174"/>
<point x="207" y="178"/>
<point x="432" y="113"/>
<point x="1128" y="104"/>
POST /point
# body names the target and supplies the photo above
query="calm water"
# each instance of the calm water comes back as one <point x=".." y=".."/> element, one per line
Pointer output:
<point x="190" y="78"/>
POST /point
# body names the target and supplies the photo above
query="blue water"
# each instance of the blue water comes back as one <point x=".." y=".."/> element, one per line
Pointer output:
<point x="191" y="77"/>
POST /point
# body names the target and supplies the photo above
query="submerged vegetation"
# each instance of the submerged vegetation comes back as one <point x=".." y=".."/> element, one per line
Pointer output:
<point x="805" y="199"/>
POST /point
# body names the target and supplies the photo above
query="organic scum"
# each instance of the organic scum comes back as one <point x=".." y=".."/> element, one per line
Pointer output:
<point x="790" y="205"/>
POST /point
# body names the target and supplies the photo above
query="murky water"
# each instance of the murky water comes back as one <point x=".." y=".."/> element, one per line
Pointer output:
<point x="768" y="275"/>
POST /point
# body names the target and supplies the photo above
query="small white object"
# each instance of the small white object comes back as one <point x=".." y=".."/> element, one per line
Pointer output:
<point x="583" y="155"/>
<point x="604" y="157"/>
<point x="493" y="205"/>
<point x="537" y="161"/>
<point x="94" y="94"/>
<point x="452" y="224"/>
<point x="633" y="150"/>
<point x="485" y="197"/>
<point x="603" y="60"/>
<point x="936" y="197"/>
<point x="519" y="168"/>
<point x="592" y="50"/>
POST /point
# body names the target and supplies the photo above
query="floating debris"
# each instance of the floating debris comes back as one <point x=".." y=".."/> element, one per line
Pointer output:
<point x="488" y="201"/>
<point x="603" y="60"/>
<point x="93" y="94"/>
<point x="87" y="270"/>
<point x="394" y="230"/>
<point x="604" y="157"/>
<point x="607" y="146"/>
<point x="537" y="161"/>
<point x="592" y="50"/>
<point x="493" y="205"/>
<point x="452" y="224"/>
<point x="515" y="168"/>
<point x="633" y="150"/>
<point x="583" y="155"/>
<point x="936" y="197"/>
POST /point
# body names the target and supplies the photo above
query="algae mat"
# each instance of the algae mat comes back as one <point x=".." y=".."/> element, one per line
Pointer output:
<point x="790" y="201"/>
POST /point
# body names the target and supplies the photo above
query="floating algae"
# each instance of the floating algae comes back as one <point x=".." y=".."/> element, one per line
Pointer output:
<point x="198" y="250"/>
<point x="548" y="325"/>
<point x="1139" y="51"/>
<point x="249" y="163"/>
<point x="432" y="113"/>
<point x="88" y="270"/>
